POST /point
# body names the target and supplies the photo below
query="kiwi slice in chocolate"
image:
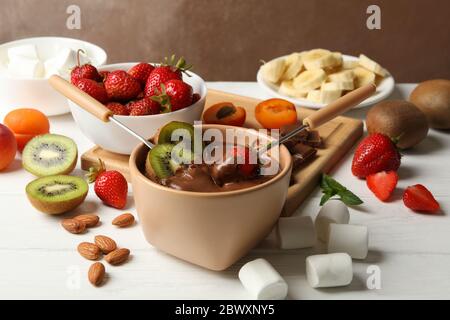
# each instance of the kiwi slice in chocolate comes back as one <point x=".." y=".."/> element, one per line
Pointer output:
<point x="57" y="194"/>
<point x="162" y="163"/>
<point x="166" y="132"/>
<point x="50" y="154"/>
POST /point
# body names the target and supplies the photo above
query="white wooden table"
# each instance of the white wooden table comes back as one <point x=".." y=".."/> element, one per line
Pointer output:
<point x="38" y="259"/>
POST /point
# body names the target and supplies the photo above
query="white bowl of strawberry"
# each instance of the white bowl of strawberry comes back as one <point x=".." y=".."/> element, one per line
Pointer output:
<point x="143" y="96"/>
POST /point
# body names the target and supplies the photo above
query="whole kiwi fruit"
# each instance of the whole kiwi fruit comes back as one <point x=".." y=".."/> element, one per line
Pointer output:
<point x="433" y="98"/>
<point x="400" y="120"/>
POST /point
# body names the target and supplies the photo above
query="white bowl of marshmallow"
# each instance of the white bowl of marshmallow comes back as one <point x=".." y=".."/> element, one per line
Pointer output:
<point x="26" y="65"/>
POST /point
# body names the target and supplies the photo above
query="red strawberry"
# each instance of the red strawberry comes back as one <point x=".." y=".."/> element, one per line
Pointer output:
<point x="419" y="198"/>
<point x="140" y="72"/>
<point x="382" y="184"/>
<point x="118" y="108"/>
<point x="169" y="70"/>
<point x="375" y="153"/>
<point x="121" y="86"/>
<point x="94" y="89"/>
<point x="110" y="186"/>
<point x="246" y="169"/>
<point x="85" y="71"/>
<point x="175" y="95"/>
<point x="143" y="107"/>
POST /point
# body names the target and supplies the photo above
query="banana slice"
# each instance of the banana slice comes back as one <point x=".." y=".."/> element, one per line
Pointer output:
<point x="273" y="70"/>
<point x="329" y="92"/>
<point x="314" y="96"/>
<point x="319" y="59"/>
<point x="294" y="65"/>
<point x="350" y="64"/>
<point x="309" y="80"/>
<point x="363" y="77"/>
<point x="344" y="75"/>
<point x="338" y="58"/>
<point x="288" y="89"/>
<point x="371" y="65"/>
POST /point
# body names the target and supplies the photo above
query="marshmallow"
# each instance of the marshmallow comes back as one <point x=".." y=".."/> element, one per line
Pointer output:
<point x="27" y="68"/>
<point x="329" y="270"/>
<point x="25" y="51"/>
<point x="296" y="232"/>
<point x="348" y="238"/>
<point x="333" y="211"/>
<point x="61" y="63"/>
<point x="263" y="281"/>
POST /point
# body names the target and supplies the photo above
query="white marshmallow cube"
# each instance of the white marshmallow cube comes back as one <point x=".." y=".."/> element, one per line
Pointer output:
<point x="296" y="232"/>
<point x="333" y="211"/>
<point x="25" y="51"/>
<point x="329" y="270"/>
<point x="61" y="63"/>
<point x="352" y="239"/>
<point x="263" y="281"/>
<point x="26" y="68"/>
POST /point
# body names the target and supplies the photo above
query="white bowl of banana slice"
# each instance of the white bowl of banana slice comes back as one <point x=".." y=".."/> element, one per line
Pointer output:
<point x="317" y="77"/>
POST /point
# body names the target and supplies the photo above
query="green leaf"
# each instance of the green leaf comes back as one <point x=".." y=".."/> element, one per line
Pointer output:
<point x="325" y="198"/>
<point x="349" y="198"/>
<point x="331" y="187"/>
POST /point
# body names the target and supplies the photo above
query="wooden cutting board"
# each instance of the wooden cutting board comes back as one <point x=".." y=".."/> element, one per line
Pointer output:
<point x="338" y="135"/>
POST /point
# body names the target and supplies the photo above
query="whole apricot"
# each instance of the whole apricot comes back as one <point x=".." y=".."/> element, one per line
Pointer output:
<point x="26" y="123"/>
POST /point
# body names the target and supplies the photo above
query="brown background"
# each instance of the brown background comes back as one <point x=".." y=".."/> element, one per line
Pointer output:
<point x="225" y="39"/>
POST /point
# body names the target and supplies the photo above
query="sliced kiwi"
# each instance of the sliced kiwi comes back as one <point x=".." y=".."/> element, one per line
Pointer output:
<point x="165" y="134"/>
<point x="161" y="163"/>
<point x="57" y="194"/>
<point x="50" y="154"/>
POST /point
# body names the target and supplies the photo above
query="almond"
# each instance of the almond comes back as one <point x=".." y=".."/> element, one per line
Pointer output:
<point x="117" y="256"/>
<point x="91" y="220"/>
<point x="124" y="220"/>
<point x="96" y="273"/>
<point x="89" y="250"/>
<point x="73" y="226"/>
<point x="106" y="244"/>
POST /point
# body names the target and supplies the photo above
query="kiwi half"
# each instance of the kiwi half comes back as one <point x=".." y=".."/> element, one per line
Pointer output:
<point x="57" y="194"/>
<point x="160" y="162"/>
<point x="50" y="154"/>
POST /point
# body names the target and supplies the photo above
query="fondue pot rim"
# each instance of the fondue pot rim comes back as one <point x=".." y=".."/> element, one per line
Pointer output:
<point x="284" y="156"/>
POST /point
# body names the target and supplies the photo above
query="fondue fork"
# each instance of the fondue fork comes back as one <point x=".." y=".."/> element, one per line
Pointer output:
<point x="327" y="113"/>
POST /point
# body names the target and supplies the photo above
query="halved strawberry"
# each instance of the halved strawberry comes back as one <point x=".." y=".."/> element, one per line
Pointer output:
<point x="419" y="198"/>
<point x="382" y="184"/>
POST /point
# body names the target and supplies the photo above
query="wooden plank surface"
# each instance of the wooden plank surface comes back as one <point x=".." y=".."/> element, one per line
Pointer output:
<point x="339" y="135"/>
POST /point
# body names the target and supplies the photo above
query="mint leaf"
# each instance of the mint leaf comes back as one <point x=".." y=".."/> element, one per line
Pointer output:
<point x="349" y="198"/>
<point x="331" y="187"/>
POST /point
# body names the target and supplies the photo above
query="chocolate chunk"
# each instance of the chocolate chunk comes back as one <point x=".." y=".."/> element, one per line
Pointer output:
<point x="301" y="154"/>
<point x="314" y="139"/>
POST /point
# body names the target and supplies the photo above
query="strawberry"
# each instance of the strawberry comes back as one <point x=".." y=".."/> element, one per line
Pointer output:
<point x="143" y="107"/>
<point x="118" y="108"/>
<point x="169" y="70"/>
<point x="121" y="86"/>
<point x="382" y="184"/>
<point x="242" y="154"/>
<point x="174" y="95"/>
<point x="110" y="186"/>
<point x="94" y="89"/>
<point x="140" y="72"/>
<point x="419" y="198"/>
<point x="85" y="71"/>
<point x="375" y="153"/>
